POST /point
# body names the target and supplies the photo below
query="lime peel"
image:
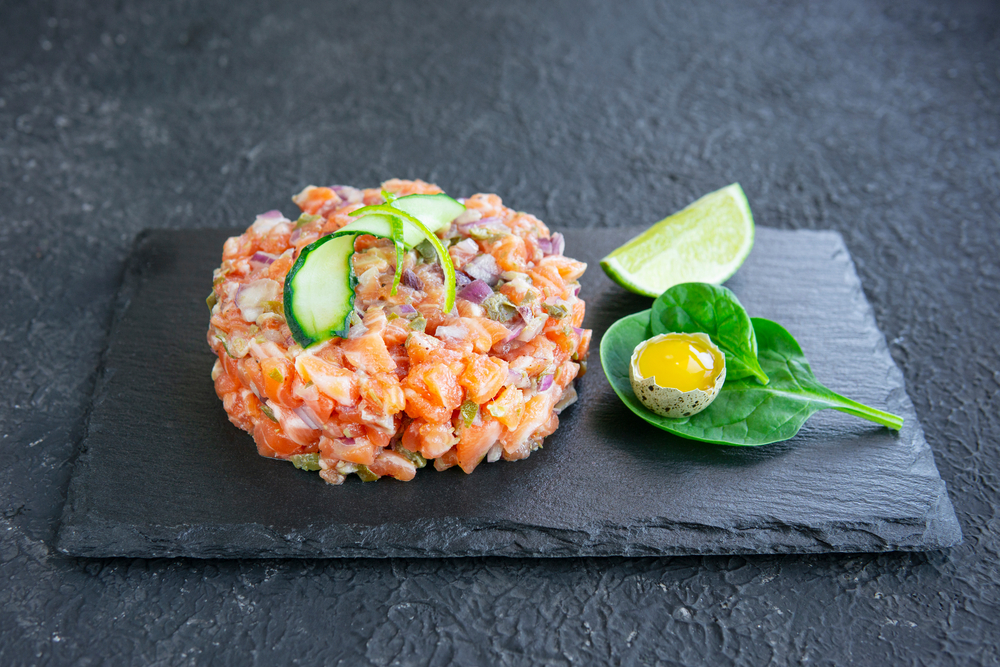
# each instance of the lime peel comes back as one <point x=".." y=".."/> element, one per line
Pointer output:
<point x="443" y="256"/>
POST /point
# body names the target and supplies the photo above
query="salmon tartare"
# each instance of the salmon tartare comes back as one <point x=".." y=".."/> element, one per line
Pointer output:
<point x="405" y="382"/>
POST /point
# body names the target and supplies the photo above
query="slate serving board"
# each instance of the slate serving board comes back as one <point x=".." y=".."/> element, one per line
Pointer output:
<point x="163" y="473"/>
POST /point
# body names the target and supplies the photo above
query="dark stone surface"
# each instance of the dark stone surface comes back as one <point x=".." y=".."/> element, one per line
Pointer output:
<point x="875" y="118"/>
<point x="605" y="484"/>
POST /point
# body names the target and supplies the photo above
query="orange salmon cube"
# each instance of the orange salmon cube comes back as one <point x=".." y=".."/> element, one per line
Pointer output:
<point x="484" y="377"/>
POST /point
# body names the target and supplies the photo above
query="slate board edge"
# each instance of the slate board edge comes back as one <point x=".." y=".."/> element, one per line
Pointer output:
<point x="453" y="539"/>
<point x="127" y="285"/>
<point x="937" y="530"/>
<point x="941" y="519"/>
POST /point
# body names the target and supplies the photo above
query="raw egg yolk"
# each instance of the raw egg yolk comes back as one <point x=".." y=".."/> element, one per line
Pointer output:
<point x="681" y="363"/>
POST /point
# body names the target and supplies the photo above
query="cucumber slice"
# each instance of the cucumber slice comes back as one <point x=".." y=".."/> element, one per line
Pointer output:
<point x="319" y="290"/>
<point x="435" y="211"/>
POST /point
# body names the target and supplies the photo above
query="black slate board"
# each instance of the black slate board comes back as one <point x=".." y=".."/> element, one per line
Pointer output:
<point x="163" y="473"/>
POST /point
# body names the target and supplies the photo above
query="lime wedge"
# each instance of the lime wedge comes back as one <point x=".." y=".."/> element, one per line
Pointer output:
<point x="705" y="243"/>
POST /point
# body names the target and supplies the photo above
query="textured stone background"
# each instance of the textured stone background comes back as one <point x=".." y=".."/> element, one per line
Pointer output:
<point x="878" y="119"/>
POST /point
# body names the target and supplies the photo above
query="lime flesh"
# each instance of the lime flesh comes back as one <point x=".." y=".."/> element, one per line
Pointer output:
<point x="706" y="242"/>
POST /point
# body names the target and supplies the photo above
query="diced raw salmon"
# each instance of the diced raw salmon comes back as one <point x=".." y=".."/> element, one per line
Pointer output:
<point x="382" y="393"/>
<point x="483" y="377"/>
<point x="475" y="440"/>
<point x="508" y="407"/>
<point x="368" y="353"/>
<point x="279" y="377"/>
<point x="537" y="411"/>
<point x="270" y="440"/>
<point x="338" y="383"/>
<point x="393" y="464"/>
<point x="355" y="450"/>
<point x="432" y="392"/>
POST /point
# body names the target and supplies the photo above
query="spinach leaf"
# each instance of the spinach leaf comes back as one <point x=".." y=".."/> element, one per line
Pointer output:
<point x="744" y="412"/>
<point x="714" y="310"/>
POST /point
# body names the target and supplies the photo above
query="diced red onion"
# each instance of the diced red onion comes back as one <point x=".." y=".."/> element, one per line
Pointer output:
<point x="532" y="328"/>
<point x="487" y="223"/>
<point x="552" y="246"/>
<point x="412" y="280"/>
<point x="461" y="280"/>
<point x="558" y="244"/>
<point x="514" y="376"/>
<point x="576" y="290"/>
<point x="477" y="291"/>
<point x="357" y="331"/>
<point x="485" y="268"/>
<point x="295" y="235"/>
<point x="264" y="258"/>
<point x="403" y="310"/>
<point x="568" y="398"/>
<point x="348" y="442"/>
<point x="250" y="298"/>
<point x="466" y="216"/>
<point x="515" y="330"/>
<point x="578" y="331"/>
<point x="265" y="222"/>
<point x="329" y="207"/>
<point x="306" y="414"/>
<point x="545" y="383"/>
<point x="467" y="245"/>
<point x="453" y="331"/>
<point x="526" y="313"/>
<point x="348" y="194"/>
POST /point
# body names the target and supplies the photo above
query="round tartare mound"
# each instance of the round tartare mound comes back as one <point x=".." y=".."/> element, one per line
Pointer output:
<point x="410" y="384"/>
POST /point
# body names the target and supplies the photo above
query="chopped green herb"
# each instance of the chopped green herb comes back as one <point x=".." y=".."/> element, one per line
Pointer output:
<point x="426" y="250"/>
<point x="305" y="219"/>
<point x="486" y="234"/>
<point x="268" y="413"/>
<point x="273" y="306"/>
<point x="366" y="475"/>
<point x="236" y="347"/>
<point x="418" y="323"/>
<point x="276" y="375"/>
<point x="555" y="310"/>
<point x="495" y="410"/>
<point x="499" y="308"/>
<point x="305" y="461"/>
<point x="415" y="457"/>
<point x="468" y="412"/>
<point x="211" y="301"/>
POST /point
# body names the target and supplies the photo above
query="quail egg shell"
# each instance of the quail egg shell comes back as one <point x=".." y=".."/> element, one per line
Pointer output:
<point x="689" y="361"/>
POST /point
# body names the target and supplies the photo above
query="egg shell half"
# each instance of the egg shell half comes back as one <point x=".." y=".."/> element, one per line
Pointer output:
<point x="667" y="401"/>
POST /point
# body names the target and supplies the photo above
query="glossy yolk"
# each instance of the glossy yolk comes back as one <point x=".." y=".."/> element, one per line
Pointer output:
<point x="681" y="363"/>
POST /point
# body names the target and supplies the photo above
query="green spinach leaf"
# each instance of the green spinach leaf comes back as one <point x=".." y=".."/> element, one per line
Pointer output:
<point x="744" y="412"/>
<point x="714" y="310"/>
